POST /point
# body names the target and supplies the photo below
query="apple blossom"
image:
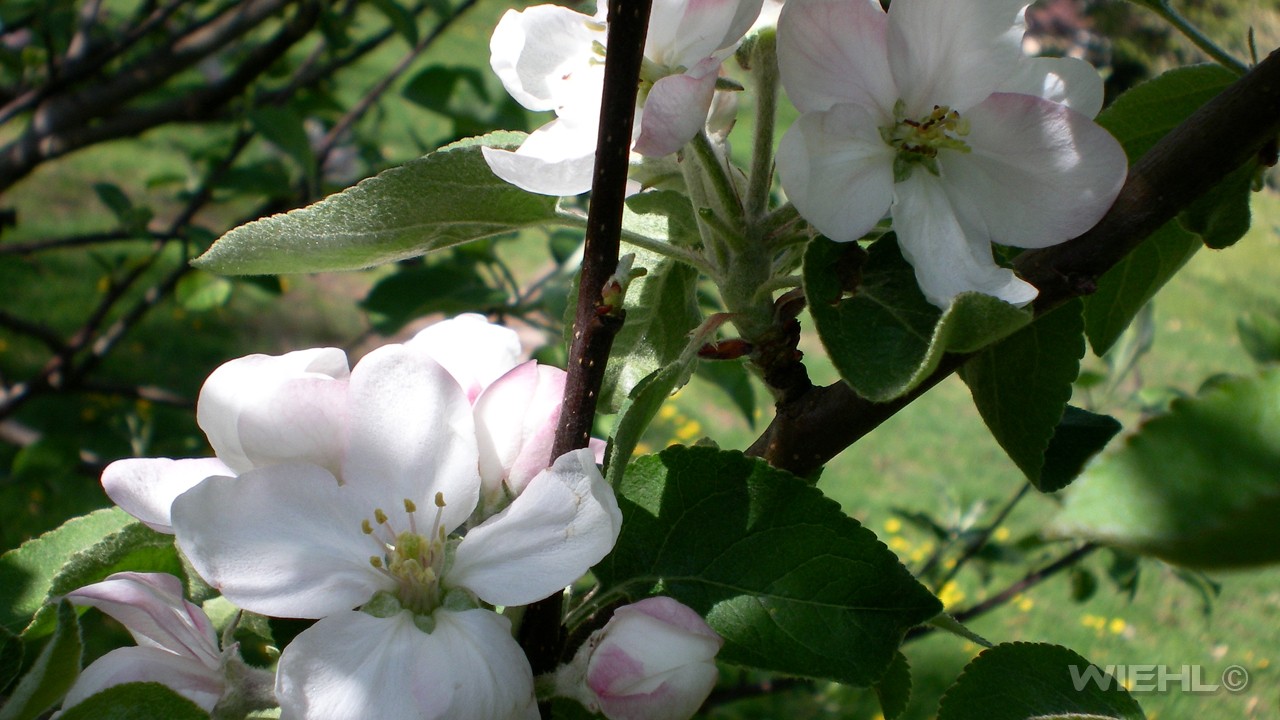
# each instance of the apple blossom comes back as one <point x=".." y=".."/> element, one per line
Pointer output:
<point x="931" y="113"/>
<point x="401" y="628"/>
<point x="551" y="58"/>
<point x="653" y="660"/>
<point x="256" y="411"/>
<point x="176" y="647"/>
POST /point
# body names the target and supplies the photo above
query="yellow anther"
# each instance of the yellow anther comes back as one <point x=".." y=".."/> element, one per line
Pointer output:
<point x="409" y="507"/>
<point x="439" y="499"/>
<point x="375" y="561"/>
<point x="380" y="516"/>
<point x="365" y="527"/>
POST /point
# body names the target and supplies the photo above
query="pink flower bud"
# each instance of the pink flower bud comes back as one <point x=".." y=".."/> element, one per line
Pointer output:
<point x="654" y="660"/>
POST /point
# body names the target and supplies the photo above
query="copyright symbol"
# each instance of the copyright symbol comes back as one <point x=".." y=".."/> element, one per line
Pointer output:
<point x="1235" y="678"/>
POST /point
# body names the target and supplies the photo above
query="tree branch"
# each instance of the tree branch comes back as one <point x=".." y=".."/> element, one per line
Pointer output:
<point x="810" y="429"/>
<point x="596" y="321"/>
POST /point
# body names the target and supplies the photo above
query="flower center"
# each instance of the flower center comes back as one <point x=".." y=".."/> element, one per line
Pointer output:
<point x="416" y="561"/>
<point x="917" y="141"/>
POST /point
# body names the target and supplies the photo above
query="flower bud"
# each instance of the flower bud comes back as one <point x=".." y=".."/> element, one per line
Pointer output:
<point x="653" y="660"/>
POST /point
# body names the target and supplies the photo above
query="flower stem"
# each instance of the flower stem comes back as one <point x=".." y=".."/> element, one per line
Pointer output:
<point x="764" y="69"/>
<point x="1199" y="39"/>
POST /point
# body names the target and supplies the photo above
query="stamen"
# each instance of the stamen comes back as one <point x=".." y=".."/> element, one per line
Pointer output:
<point x="379" y="516"/>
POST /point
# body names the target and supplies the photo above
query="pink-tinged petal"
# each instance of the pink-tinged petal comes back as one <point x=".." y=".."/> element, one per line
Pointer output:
<point x="541" y="54"/>
<point x="474" y="351"/>
<point x="944" y="52"/>
<point x="516" y="425"/>
<point x="412" y="434"/>
<point x="684" y="32"/>
<point x="1038" y="174"/>
<point x="837" y="171"/>
<point x="565" y="521"/>
<point x="1066" y="81"/>
<point x="145" y="487"/>
<point x="947" y="258"/>
<point x="833" y="51"/>
<point x="248" y="385"/>
<point x="655" y="661"/>
<point x="300" y="420"/>
<point x="354" y="665"/>
<point x="284" y="541"/>
<point x="189" y="678"/>
<point x="557" y="159"/>
<point x="674" y="112"/>
<point x="152" y="608"/>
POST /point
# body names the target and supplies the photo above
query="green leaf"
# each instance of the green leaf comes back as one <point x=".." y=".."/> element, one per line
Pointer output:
<point x="1197" y="486"/>
<point x="135" y="547"/>
<point x="887" y="338"/>
<point x="53" y="672"/>
<point x="200" y="291"/>
<point x="450" y="287"/>
<point x="442" y="199"/>
<point x="135" y="701"/>
<point x="734" y="379"/>
<point x="1260" y="335"/>
<point x="27" y="573"/>
<point x="1022" y="383"/>
<point x="894" y="689"/>
<point x="662" y="305"/>
<point x="401" y="19"/>
<point x="646" y="398"/>
<point x="11" y="654"/>
<point x="129" y="216"/>
<point x="792" y="583"/>
<point x="1222" y="216"/>
<point x="1079" y="436"/>
<point x="1035" y="681"/>
<point x="1139" y="119"/>
<point x="282" y="126"/>
<point x="1125" y="289"/>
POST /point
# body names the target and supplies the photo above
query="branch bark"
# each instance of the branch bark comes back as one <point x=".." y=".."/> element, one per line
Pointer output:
<point x="815" y="426"/>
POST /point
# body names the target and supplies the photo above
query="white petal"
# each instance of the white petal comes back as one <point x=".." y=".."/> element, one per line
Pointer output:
<point x="189" y="678"/>
<point x="354" y="665"/>
<point x="1066" y="81"/>
<point x="833" y="51"/>
<point x="516" y="425"/>
<point x="152" y="608"/>
<point x="565" y="521"/>
<point x="947" y="259"/>
<point x="837" y="171"/>
<point x="412" y="434"/>
<point x="299" y="420"/>
<point x="145" y="487"/>
<point x="542" y="53"/>
<point x="249" y="385"/>
<point x="283" y="541"/>
<point x="557" y="159"/>
<point x="684" y="32"/>
<point x="674" y="112"/>
<point x="474" y="351"/>
<point x="944" y="52"/>
<point x="1038" y="174"/>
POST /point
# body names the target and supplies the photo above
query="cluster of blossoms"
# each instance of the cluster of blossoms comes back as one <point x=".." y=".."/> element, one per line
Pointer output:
<point x="400" y="504"/>
<point x="929" y="113"/>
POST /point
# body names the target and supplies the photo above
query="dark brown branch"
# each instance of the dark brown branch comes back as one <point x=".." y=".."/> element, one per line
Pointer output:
<point x="596" y="320"/>
<point x="1227" y="132"/>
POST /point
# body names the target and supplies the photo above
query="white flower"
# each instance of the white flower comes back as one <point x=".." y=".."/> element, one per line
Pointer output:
<point x="653" y="660"/>
<point x="552" y="58"/>
<point x="931" y="113"/>
<point x="176" y="647"/>
<point x="256" y="411"/>
<point x="289" y="540"/>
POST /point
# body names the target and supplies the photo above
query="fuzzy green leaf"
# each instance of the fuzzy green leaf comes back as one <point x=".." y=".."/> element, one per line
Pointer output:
<point x="445" y="198"/>
<point x="27" y="573"/>
<point x="792" y="583"/>
<point x="53" y="672"/>
<point x="1197" y="486"/>
<point x="1035" y="681"/>
<point x="135" y="701"/>
<point x="887" y="338"/>
<point x="894" y="689"/>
